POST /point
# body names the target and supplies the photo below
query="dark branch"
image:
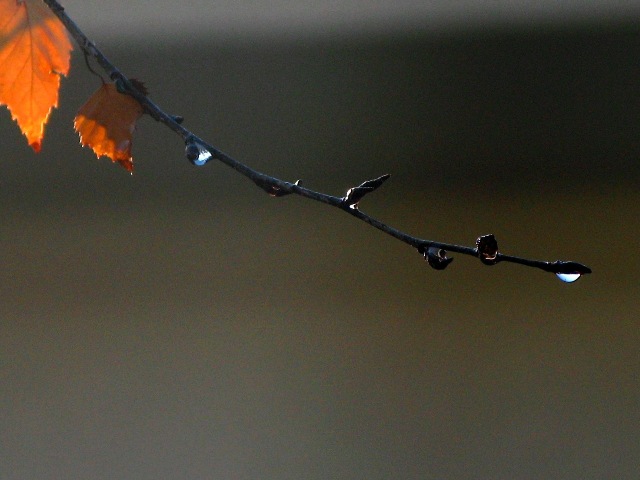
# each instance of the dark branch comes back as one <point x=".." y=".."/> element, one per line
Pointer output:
<point x="199" y="152"/>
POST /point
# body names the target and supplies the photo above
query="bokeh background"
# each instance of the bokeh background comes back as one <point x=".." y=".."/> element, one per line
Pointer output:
<point x="180" y="323"/>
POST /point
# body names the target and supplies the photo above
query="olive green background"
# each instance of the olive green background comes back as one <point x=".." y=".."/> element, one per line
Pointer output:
<point x="180" y="323"/>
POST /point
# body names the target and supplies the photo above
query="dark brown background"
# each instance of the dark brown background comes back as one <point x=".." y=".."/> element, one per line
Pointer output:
<point x="180" y="323"/>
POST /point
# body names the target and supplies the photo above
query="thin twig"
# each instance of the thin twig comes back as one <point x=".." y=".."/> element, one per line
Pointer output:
<point x="434" y="252"/>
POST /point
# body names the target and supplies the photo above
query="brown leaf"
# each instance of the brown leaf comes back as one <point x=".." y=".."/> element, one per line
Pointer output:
<point x="106" y="124"/>
<point x="34" y="51"/>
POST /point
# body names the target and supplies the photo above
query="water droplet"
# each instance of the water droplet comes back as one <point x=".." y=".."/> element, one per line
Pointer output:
<point x="203" y="157"/>
<point x="191" y="151"/>
<point x="196" y="153"/>
<point x="568" y="277"/>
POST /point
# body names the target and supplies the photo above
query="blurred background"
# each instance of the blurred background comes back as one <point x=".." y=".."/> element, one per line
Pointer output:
<point x="180" y="323"/>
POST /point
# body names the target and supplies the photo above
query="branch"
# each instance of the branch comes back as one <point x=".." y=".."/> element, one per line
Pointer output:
<point x="199" y="152"/>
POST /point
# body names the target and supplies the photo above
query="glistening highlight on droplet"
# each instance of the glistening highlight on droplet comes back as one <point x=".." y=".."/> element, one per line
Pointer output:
<point x="568" y="277"/>
<point x="203" y="158"/>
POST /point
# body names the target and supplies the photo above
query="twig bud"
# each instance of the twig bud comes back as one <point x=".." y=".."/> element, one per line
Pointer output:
<point x="487" y="248"/>
<point x="355" y="194"/>
<point x="435" y="257"/>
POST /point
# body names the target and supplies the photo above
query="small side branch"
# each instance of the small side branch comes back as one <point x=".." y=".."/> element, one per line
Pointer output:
<point x="199" y="152"/>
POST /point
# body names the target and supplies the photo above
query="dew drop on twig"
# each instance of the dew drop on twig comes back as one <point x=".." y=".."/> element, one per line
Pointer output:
<point x="196" y="153"/>
<point x="203" y="157"/>
<point x="568" y="277"/>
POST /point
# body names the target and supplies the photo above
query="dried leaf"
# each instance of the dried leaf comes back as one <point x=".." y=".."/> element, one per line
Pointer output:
<point x="34" y="51"/>
<point x="106" y="124"/>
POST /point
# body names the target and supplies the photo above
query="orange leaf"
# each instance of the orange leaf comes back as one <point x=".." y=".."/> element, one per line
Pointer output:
<point x="34" y="51"/>
<point x="106" y="123"/>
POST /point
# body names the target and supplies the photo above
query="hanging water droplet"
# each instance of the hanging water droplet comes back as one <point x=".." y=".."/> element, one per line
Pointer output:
<point x="568" y="277"/>
<point x="203" y="158"/>
<point x="192" y="152"/>
<point x="197" y="154"/>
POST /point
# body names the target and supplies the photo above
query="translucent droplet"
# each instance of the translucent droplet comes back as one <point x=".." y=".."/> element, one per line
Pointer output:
<point x="203" y="158"/>
<point x="568" y="277"/>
